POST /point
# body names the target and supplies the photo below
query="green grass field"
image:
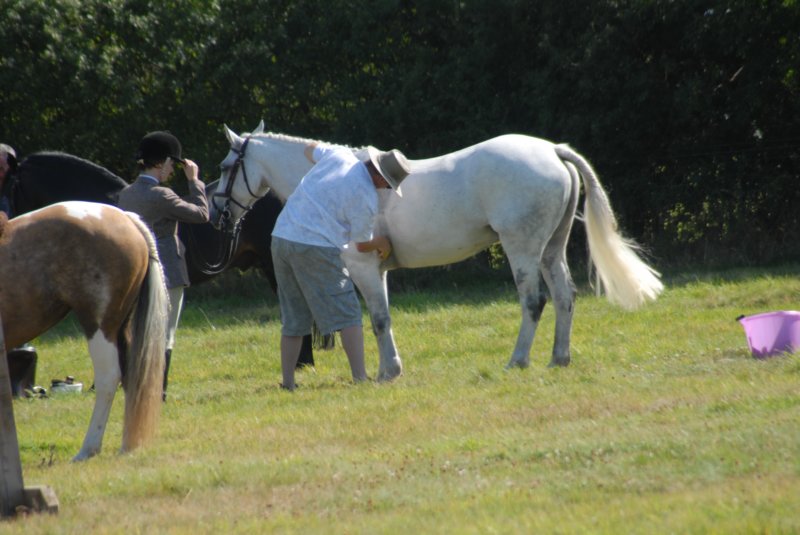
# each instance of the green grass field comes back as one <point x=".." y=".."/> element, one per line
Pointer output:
<point x="662" y="424"/>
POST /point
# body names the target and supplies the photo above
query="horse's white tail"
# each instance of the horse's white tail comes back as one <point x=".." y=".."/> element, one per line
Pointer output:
<point x="144" y="366"/>
<point x="627" y="280"/>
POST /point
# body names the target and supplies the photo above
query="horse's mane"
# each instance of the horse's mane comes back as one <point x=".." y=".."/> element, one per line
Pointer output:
<point x="63" y="164"/>
<point x="3" y="221"/>
<point x="284" y="137"/>
<point x="298" y="140"/>
<point x="49" y="177"/>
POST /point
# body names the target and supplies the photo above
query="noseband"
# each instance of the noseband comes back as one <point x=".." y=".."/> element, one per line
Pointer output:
<point x="227" y="195"/>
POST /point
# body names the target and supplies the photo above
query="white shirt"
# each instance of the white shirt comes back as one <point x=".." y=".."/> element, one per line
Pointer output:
<point x="334" y="204"/>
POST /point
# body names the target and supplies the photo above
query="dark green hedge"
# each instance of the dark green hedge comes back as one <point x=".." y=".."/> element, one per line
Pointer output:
<point x="690" y="111"/>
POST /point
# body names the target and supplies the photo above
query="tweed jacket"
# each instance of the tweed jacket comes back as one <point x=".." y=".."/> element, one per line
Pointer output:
<point x="162" y="209"/>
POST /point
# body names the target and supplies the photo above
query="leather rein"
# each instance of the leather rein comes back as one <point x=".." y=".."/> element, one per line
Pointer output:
<point x="229" y="231"/>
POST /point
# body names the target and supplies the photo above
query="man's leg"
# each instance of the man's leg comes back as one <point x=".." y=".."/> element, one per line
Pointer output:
<point x="353" y="344"/>
<point x="290" y="352"/>
<point x="294" y="310"/>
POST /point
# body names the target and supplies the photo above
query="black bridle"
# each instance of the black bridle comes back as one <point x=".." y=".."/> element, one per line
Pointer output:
<point x="227" y="195"/>
<point x="230" y="232"/>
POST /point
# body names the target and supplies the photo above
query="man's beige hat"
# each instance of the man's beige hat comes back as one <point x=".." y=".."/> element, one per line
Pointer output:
<point x="392" y="166"/>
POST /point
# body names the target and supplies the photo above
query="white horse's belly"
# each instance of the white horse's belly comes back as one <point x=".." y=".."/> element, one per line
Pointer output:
<point x="435" y="230"/>
<point x="412" y="253"/>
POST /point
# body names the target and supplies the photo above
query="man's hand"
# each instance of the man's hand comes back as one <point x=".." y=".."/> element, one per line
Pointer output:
<point x="384" y="247"/>
<point x="381" y="244"/>
<point x="308" y="151"/>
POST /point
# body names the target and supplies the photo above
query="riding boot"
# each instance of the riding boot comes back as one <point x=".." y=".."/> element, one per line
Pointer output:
<point x="306" y="353"/>
<point x="168" y="357"/>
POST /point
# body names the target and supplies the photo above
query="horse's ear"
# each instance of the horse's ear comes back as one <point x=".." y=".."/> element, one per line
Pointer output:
<point x="229" y="134"/>
<point x="260" y="128"/>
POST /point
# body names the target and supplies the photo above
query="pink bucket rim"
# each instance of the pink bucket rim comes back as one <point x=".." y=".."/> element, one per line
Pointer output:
<point x="764" y="315"/>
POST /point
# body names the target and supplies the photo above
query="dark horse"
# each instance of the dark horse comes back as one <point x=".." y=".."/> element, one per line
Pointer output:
<point x="45" y="178"/>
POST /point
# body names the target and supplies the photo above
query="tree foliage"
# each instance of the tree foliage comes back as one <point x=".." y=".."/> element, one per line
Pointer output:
<point x="689" y="111"/>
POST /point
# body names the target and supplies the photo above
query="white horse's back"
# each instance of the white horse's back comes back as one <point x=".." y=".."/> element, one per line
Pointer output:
<point x="455" y="205"/>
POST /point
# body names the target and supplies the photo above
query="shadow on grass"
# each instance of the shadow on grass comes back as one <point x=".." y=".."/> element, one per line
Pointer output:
<point x="466" y="283"/>
<point x="236" y="298"/>
<point x="685" y="277"/>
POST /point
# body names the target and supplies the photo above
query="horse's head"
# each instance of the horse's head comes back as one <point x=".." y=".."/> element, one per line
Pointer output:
<point x="235" y="193"/>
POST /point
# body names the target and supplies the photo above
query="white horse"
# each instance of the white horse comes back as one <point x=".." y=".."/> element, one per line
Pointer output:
<point x="518" y="190"/>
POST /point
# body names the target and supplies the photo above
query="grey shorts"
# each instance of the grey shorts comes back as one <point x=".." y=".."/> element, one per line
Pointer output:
<point x="313" y="285"/>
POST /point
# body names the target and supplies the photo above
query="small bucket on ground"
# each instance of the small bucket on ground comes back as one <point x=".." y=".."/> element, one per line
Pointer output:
<point x="772" y="333"/>
<point x="67" y="385"/>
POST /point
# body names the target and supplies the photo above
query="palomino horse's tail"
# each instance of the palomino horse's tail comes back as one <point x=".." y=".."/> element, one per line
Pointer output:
<point x="144" y="364"/>
<point x="627" y="280"/>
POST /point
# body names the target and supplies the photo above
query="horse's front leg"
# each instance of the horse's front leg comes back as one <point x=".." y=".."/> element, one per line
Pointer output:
<point x="107" y="375"/>
<point x="365" y="271"/>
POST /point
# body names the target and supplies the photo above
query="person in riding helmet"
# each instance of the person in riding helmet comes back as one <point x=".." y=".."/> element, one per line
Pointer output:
<point x="161" y="209"/>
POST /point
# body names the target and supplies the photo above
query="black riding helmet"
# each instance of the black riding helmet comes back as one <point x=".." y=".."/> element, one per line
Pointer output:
<point x="156" y="147"/>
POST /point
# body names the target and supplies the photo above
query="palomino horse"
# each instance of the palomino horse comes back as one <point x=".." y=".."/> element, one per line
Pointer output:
<point x="102" y="264"/>
<point x="518" y="190"/>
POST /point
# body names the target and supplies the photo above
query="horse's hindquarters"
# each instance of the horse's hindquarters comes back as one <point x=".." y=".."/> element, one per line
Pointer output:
<point x="91" y="259"/>
<point x="52" y="261"/>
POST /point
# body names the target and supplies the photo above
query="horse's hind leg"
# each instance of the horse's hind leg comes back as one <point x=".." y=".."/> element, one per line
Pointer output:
<point x="556" y="274"/>
<point x="525" y="268"/>
<point x="107" y="375"/>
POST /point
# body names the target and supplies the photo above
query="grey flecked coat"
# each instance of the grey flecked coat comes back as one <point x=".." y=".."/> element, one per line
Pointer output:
<point x="162" y="209"/>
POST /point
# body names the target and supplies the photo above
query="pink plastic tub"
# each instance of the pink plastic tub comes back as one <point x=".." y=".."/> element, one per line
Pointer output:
<point x="772" y="333"/>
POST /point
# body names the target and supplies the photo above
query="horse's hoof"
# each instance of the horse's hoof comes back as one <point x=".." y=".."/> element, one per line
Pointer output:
<point x="518" y="363"/>
<point x="391" y="372"/>
<point x="82" y="456"/>
<point x="561" y="362"/>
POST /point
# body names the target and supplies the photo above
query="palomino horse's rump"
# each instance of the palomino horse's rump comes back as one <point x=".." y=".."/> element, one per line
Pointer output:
<point x="100" y="263"/>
